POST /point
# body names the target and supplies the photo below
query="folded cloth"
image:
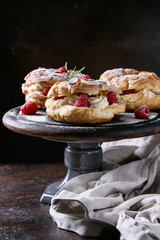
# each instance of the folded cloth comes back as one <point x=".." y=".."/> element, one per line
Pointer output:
<point x="130" y="149"/>
<point x="141" y="222"/>
<point x="126" y="196"/>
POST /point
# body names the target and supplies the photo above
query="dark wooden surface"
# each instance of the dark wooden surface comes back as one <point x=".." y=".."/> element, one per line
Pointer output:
<point x="22" y="216"/>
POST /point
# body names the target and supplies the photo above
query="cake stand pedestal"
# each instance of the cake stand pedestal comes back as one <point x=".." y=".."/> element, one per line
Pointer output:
<point x="83" y="153"/>
<point x="79" y="158"/>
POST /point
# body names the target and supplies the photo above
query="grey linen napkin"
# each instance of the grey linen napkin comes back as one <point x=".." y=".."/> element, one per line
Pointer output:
<point x="126" y="196"/>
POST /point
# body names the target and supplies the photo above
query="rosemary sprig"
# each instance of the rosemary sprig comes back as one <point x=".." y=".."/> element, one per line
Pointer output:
<point x="73" y="72"/>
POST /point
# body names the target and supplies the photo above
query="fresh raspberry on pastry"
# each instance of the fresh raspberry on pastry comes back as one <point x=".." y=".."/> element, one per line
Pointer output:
<point x="130" y="91"/>
<point x="29" y="108"/>
<point x="138" y="88"/>
<point x="142" y="112"/>
<point x="62" y="70"/>
<point x="86" y="77"/>
<point x="82" y="101"/>
<point x="57" y="98"/>
<point x="112" y="98"/>
<point x="46" y="90"/>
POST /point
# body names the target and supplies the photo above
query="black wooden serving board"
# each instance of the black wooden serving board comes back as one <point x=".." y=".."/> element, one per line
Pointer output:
<point x="123" y="125"/>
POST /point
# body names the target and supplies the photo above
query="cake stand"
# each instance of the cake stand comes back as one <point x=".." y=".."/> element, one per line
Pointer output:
<point x="83" y="153"/>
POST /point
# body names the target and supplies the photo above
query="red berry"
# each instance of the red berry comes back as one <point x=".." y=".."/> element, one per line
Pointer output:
<point x="86" y="77"/>
<point x="45" y="91"/>
<point x="112" y="98"/>
<point x="29" y="108"/>
<point x="130" y="91"/>
<point x="60" y="97"/>
<point x="142" y="112"/>
<point x="62" y="70"/>
<point x="82" y="100"/>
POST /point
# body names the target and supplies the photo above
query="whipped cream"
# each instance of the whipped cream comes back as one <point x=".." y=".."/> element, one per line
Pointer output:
<point x="149" y="93"/>
<point x="65" y="101"/>
<point x="98" y="102"/>
<point x="34" y="87"/>
<point x="95" y="102"/>
<point x="156" y="91"/>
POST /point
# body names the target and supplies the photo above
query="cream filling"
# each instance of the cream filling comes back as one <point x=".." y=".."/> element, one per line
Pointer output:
<point x="32" y="88"/>
<point x="95" y="102"/>
<point x="98" y="102"/>
<point x="150" y="93"/>
<point x="156" y="91"/>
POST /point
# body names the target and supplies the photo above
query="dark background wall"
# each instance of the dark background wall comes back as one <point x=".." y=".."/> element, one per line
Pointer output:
<point x="96" y="34"/>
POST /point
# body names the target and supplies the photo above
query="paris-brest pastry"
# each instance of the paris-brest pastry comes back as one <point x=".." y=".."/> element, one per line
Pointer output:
<point x="138" y="87"/>
<point x="83" y="101"/>
<point x="39" y="81"/>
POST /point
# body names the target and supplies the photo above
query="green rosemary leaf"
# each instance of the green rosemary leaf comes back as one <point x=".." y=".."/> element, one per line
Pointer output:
<point x="73" y="72"/>
<point x="79" y="71"/>
<point x="65" y="66"/>
<point x="74" y="69"/>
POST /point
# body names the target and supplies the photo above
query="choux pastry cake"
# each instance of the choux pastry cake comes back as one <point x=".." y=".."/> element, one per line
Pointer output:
<point x="138" y="88"/>
<point x="39" y="81"/>
<point x="83" y="101"/>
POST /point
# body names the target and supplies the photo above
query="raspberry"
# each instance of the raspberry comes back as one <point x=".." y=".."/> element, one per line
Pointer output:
<point x="60" y="97"/>
<point x="112" y="98"/>
<point x="62" y="70"/>
<point x="86" y="77"/>
<point x="142" y="112"/>
<point x="82" y="100"/>
<point x="29" y="108"/>
<point x="130" y="91"/>
<point x="45" y="91"/>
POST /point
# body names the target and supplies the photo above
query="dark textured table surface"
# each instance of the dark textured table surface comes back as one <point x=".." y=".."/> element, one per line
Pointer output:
<point x="22" y="216"/>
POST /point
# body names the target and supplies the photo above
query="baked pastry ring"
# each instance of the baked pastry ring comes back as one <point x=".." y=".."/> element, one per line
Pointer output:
<point x="138" y="88"/>
<point x="39" y="81"/>
<point x="63" y="95"/>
